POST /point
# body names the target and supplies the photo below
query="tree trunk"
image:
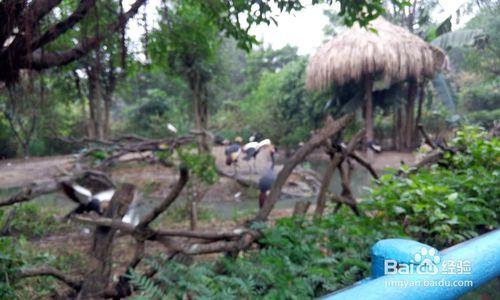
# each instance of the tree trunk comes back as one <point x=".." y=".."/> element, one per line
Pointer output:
<point x="368" y="85"/>
<point x="26" y="149"/>
<point x="200" y="115"/>
<point x="421" y="98"/>
<point x="400" y="129"/>
<point x="410" y="104"/>
<point x="325" y="184"/>
<point x="96" y="107"/>
<point x="300" y="208"/>
<point x="107" y="110"/>
<point x="98" y="279"/>
<point x="395" y="128"/>
<point x="194" y="214"/>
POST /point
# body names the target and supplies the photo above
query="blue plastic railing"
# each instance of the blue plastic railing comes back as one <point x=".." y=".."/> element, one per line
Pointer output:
<point x="427" y="274"/>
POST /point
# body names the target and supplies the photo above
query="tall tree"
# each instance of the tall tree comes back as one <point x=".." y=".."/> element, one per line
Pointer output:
<point x="188" y="41"/>
<point x="25" y="33"/>
<point x="22" y="106"/>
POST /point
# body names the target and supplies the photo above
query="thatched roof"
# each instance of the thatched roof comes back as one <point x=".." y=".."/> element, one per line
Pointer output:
<point x="391" y="54"/>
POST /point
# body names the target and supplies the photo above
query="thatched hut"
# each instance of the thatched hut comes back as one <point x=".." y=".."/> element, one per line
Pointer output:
<point x="390" y="54"/>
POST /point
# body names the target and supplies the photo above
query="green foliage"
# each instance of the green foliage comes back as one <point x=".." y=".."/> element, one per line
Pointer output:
<point x="460" y="38"/>
<point x="444" y="92"/>
<point x="281" y="108"/>
<point x="7" y="145"/>
<point x="483" y="59"/>
<point x="303" y="259"/>
<point x="445" y="204"/>
<point x="299" y="259"/>
<point x="485" y="117"/>
<point x="235" y="18"/>
<point x="480" y="104"/>
<point x="186" y="42"/>
<point x="200" y="165"/>
<point x="31" y="220"/>
<point x="9" y="263"/>
<point x="16" y="253"/>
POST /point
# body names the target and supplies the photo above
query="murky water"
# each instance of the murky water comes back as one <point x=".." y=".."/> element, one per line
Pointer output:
<point x="229" y="209"/>
<point x="360" y="180"/>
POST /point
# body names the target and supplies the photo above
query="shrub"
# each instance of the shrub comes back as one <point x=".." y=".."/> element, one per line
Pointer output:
<point x="31" y="220"/>
<point x="299" y="259"/>
<point x="448" y="203"/>
<point x="303" y="259"/>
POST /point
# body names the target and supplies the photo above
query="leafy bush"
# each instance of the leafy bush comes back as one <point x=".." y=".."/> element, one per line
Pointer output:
<point x="299" y="259"/>
<point x="9" y="262"/>
<point x="485" y="117"/>
<point x="31" y="220"/>
<point x="202" y="166"/>
<point x="302" y="259"/>
<point x="480" y="103"/>
<point x="16" y="253"/>
<point x="445" y="204"/>
<point x="281" y="108"/>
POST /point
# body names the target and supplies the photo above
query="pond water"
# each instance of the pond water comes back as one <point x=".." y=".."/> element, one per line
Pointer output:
<point x="360" y="180"/>
<point x="229" y="209"/>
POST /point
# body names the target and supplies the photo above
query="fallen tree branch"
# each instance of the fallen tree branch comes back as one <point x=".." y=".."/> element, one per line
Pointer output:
<point x="127" y="228"/>
<point x="162" y="206"/>
<point x="35" y="190"/>
<point x="30" y="192"/>
<point x="431" y="158"/>
<point x="49" y="271"/>
<point x="364" y="163"/>
<point x="427" y="138"/>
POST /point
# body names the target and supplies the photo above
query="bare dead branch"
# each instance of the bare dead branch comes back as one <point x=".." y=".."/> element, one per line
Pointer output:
<point x="331" y="127"/>
<point x="334" y="163"/>
<point x="427" y="138"/>
<point x="31" y="192"/>
<point x="153" y="234"/>
<point x="346" y="197"/>
<point x="364" y="163"/>
<point x="224" y="246"/>
<point x="49" y="271"/>
<point x="162" y="206"/>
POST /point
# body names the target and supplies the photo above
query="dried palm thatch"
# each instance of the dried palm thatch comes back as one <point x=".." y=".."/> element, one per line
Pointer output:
<point x="391" y="54"/>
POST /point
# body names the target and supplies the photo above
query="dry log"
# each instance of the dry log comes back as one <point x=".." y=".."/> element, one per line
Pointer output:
<point x="49" y="271"/>
<point x="127" y="228"/>
<point x="30" y="192"/>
